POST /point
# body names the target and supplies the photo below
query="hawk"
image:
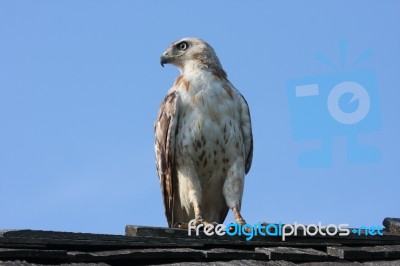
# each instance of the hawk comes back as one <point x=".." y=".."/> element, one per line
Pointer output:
<point x="203" y="138"/>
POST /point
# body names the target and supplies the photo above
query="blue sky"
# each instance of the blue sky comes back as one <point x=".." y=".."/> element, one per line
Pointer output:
<point x="81" y="83"/>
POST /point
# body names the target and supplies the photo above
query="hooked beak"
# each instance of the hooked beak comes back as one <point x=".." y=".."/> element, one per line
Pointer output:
<point x="165" y="58"/>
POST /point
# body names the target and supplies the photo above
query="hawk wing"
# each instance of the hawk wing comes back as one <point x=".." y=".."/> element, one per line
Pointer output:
<point x="247" y="133"/>
<point x="165" y="129"/>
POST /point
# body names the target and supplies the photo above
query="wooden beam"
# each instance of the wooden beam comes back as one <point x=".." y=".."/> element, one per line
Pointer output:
<point x="365" y="253"/>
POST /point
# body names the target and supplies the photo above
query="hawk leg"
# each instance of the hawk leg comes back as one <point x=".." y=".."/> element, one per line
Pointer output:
<point x="199" y="217"/>
<point x="239" y="219"/>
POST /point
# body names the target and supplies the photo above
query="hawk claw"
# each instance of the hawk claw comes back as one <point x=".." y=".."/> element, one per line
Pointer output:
<point x="181" y="225"/>
<point x="239" y="219"/>
<point x="204" y="222"/>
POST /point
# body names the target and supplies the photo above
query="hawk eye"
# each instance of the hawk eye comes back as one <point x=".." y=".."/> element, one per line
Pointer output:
<point x="182" y="46"/>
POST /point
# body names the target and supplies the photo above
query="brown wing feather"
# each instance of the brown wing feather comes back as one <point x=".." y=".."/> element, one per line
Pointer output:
<point x="165" y="131"/>
<point x="247" y="133"/>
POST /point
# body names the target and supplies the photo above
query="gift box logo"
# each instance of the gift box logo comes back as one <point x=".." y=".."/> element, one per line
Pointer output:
<point x="325" y="106"/>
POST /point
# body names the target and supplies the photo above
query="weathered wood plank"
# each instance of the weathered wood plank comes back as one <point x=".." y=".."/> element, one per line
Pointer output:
<point x="86" y="241"/>
<point x="333" y="263"/>
<point x="83" y="241"/>
<point x="25" y="263"/>
<point x="93" y="245"/>
<point x="382" y="263"/>
<point x="234" y="263"/>
<point x="149" y="254"/>
<point x="134" y="230"/>
<point x="293" y="254"/>
<point x="7" y="253"/>
<point x="354" y="263"/>
<point x="58" y="235"/>
<point x="352" y="239"/>
<point x="392" y="225"/>
<point x="151" y="232"/>
<point x="365" y="253"/>
<point x="148" y="244"/>
<point x="163" y="238"/>
<point x="233" y="254"/>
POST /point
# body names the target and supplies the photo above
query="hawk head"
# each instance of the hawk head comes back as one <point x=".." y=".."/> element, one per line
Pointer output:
<point x="191" y="53"/>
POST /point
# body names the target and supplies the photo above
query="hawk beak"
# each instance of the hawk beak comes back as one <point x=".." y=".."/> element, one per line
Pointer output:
<point x="165" y="58"/>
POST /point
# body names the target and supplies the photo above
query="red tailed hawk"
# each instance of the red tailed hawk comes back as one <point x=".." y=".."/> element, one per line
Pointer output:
<point x="204" y="142"/>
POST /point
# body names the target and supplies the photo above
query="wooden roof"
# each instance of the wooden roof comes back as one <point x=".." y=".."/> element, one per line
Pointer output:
<point x="151" y="245"/>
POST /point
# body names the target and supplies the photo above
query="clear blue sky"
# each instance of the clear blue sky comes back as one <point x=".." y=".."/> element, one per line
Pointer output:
<point x="81" y="83"/>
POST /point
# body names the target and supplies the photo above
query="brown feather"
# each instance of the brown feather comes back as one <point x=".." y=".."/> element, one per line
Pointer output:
<point x="247" y="133"/>
<point x="220" y="73"/>
<point x="228" y="89"/>
<point x="165" y="131"/>
<point x="180" y="80"/>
